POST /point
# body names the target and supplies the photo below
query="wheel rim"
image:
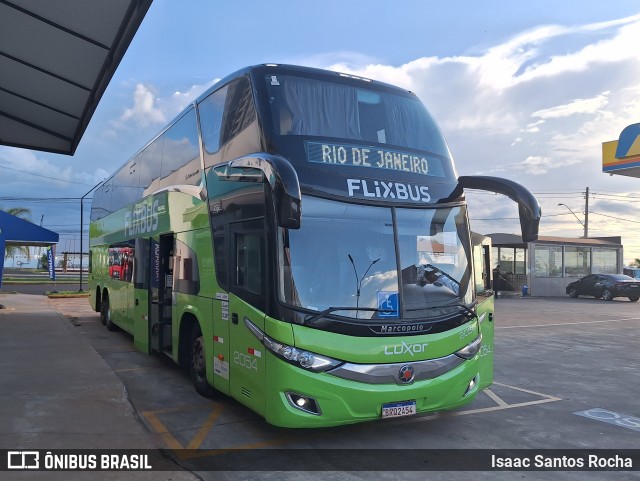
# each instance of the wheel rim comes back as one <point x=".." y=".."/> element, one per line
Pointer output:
<point x="197" y="358"/>
<point x="106" y="311"/>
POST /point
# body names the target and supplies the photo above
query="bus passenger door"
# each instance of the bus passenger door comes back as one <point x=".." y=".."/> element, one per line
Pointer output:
<point x="485" y="311"/>
<point x="485" y="307"/>
<point x="161" y="300"/>
<point x="247" y="304"/>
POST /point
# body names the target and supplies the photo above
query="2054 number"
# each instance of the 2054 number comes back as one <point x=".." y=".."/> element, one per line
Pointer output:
<point x="246" y="361"/>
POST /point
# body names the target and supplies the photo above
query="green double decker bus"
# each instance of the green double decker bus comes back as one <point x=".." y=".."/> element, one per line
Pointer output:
<point x="298" y="239"/>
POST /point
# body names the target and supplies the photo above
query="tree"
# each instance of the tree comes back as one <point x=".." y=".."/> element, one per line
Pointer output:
<point x="12" y="251"/>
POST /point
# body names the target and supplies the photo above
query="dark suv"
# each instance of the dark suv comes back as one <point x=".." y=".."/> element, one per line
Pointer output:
<point x="606" y="286"/>
<point x="632" y="272"/>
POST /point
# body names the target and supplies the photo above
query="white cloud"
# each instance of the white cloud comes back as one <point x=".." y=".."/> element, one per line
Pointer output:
<point x="577" y="99"/>
<point x="20" y="163"/>
<point x="538" y="165"/>
<point x="534" y="127"/>
<point x="177" y="101"/>
<point x="149" y="109"/>
<point x="145" y="110"/>
<point x="578" y="106"/>
<point x="534" y="109"/>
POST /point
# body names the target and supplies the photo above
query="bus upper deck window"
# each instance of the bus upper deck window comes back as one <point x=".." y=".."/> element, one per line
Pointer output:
<point x="285" y="121"/>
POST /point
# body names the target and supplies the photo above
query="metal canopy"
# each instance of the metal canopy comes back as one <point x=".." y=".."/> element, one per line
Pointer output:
<point x="15" y="231"/>
<point x="56" y="60"/>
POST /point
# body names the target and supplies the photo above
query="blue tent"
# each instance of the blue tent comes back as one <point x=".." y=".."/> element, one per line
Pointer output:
<point x="15" y="231"/>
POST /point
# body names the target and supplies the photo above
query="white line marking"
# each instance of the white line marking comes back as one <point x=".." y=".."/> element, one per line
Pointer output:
<point x="527" y="391"/>
<point x="495" y="397"/>
<point x="568" y="323"/>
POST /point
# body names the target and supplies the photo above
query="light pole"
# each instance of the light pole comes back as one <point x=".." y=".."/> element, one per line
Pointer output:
<point x="82" y="226"/>
<point x="586" y="228"/>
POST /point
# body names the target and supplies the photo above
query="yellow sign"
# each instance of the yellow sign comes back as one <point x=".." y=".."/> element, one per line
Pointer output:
<point x="622" y="156"/>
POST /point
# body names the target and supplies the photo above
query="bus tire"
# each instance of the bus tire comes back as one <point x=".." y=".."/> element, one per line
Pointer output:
<point x="106" y="310"/>
<point x="198" y="364"/>
<point x="101" y="308"/>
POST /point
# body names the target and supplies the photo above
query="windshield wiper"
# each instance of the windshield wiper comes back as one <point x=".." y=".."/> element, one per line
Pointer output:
<point x="469" y="311"/>
<point x="359" y="282"/>
<point x="313" y="318"/>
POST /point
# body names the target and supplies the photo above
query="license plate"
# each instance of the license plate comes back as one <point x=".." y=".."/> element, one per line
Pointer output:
<point x="396" y="410"/>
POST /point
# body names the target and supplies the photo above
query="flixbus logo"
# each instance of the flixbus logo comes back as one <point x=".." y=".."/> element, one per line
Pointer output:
<point x="142" y="218"/>
<point x="388" y="190"/>
<point x="405" y="348"/>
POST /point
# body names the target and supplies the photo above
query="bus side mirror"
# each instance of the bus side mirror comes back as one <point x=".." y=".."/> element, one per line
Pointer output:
<point x="288" y="211"/>
<point x="278" y="173"/>
<point x="528" y="205"/>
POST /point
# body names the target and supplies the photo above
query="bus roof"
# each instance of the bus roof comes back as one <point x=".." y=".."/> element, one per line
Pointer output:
<point x="296" y="69"/>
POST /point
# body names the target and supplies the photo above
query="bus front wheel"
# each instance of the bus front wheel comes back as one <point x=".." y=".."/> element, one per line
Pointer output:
<point x="198" y="364"/>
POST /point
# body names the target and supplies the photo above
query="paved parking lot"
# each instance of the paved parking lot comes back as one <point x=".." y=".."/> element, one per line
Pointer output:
<point x="566" y="376"/>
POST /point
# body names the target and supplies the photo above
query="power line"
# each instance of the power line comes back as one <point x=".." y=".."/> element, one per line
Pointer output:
<point x="41" y="200"/>
<point x="619" y="198"/>
<point x="518" y="218"/>
<point x="617" y="218"/>
<point x="44" y="176"/>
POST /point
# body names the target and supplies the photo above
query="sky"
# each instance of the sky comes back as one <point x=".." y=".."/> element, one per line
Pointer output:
<point x="522" y="90"/>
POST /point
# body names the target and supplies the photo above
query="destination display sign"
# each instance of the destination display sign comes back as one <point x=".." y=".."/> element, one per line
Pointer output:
<point x="373" y="158"/>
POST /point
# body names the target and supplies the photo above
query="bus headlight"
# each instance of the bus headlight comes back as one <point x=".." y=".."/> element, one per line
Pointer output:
<point x="298" y="357"/>
<point x="470" y="350"/>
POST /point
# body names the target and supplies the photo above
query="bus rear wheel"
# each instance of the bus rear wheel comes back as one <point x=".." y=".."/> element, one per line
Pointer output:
<point x="198" y="364"/>
<point x="105" y="314"/>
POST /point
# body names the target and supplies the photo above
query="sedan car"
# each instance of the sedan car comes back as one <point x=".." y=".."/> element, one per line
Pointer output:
<point x="606" y="286"/>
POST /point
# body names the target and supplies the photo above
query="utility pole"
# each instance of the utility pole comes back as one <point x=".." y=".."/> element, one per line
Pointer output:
<point x="82" y="226"/>
<point x="586" y="213"/>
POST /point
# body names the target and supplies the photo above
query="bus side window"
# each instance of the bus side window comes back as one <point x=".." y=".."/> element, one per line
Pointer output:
<point x="219" y="254"/>
<point x="186" y="275"/>
<point x="228" y="122"/>
<point x="239" y="111"/>
<point x="211" y="111"/>
<point x="142" y="263"/>
<point x="249" y="263"/>
<point x="181" y="153"/>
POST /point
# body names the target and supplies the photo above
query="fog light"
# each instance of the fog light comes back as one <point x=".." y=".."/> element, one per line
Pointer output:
<point x="471" y="349"/>
<point x="471" y="385"/>
<point x="303" y="403"/>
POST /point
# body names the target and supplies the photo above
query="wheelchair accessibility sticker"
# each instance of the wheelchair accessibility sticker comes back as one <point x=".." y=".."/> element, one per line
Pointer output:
<point x="388" y="304"/>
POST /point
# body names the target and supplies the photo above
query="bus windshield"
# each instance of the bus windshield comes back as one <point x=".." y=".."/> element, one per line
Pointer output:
<point x="357" y="114"/>
<point x="349" y="255"/>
